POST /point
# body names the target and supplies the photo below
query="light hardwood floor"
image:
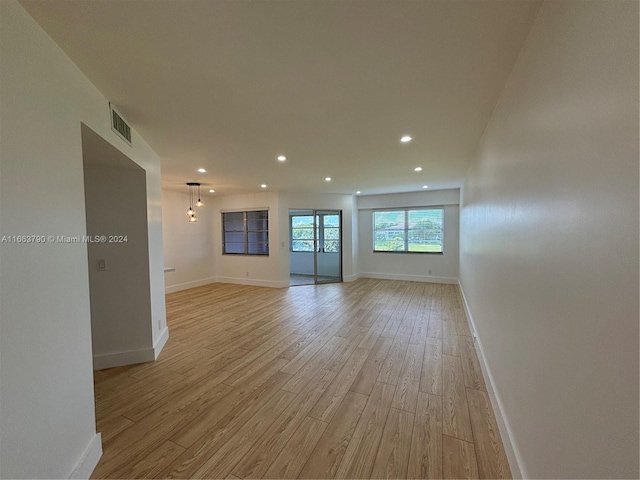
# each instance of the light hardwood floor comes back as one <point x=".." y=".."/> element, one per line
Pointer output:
<point x="370" y="379"/>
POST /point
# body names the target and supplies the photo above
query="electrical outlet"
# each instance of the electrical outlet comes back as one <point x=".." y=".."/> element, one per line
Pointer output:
<point x="429" y="272"/>
<point x="247" y="274"/>
<point x="101" y="265"/>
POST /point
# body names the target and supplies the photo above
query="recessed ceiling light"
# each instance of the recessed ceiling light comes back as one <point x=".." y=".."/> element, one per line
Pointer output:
<point x="281" y="158"/>
<point x="425" y="186"/>
<point x="405" y="139"/>
<point x="417" y="169"/>
<point x="263" y="185"/>
<point x="202" y="170"/>
<point x="358" y="192"/>
<point x="212" y="191"/>
<point x="327" y="179"/>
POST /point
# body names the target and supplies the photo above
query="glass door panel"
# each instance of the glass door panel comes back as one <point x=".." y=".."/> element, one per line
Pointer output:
<point x="328" y="246"/>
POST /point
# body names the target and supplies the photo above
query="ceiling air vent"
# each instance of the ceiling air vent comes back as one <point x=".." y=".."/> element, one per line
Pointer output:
<point x="119" y="125"/>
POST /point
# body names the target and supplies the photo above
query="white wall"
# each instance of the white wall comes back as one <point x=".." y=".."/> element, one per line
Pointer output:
<point x="205" y="263"/>
<point x="549" y="244"/>
<point x="47" y="415"/>
<point x="355" y="240"/>
<point x="263" y="270"/>
<point x="310" y="201"/>
<point x="417" y="267"/>
<point x="188" y="247"/>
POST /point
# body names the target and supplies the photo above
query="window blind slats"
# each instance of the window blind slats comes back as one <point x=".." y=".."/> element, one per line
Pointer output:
<point x="246" y="233"/>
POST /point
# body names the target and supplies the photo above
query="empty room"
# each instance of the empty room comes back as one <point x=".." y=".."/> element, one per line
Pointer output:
<point x="319" y="239"/>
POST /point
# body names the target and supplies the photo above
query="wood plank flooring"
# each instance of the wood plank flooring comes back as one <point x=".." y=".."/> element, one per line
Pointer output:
<point x="370" y="379"/>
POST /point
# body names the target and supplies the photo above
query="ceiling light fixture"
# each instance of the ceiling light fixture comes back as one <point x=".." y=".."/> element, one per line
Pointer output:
<point x="202" y="170"/>
<point x="191" y="214"/>
<point x="425" y="186"/>
<point x="417" y="169"/>
<point x="327" y="179"/>
<point x="264" y="185"/>
<point x="281" y="158"/>
<point x="358" y="192"/>
<point x="405" y="139"/>
<point x="212" y="191"/>
<point x="199" y="202"/>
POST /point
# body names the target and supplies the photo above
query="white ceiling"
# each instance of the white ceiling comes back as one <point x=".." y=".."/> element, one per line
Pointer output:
<point x="229" y="85"/>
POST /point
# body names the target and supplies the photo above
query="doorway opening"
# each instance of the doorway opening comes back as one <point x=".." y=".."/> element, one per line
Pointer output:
<point x="315" y="248"/>
<point x="118" y="257"/>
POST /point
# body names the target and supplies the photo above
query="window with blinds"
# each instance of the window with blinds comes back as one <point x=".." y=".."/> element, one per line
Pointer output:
<point x="418" y="230"/>
<point x="245" y="233"/>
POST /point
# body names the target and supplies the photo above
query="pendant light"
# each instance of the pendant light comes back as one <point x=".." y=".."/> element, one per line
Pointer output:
<point x="199" y="202"/>
<point x="191" y="214"/>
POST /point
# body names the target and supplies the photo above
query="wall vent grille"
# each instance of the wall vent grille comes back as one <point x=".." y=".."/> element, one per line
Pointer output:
<point x="119" y="125"/>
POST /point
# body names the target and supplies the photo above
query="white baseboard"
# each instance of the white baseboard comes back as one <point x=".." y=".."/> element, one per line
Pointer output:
<point x="253" y="281"/>
<point x="89" y="459"/>
<point x="503" y="425"/>
<point x="157" y="348"/>
<point x="410" y="278"/>
<point x="187" y="285"/>
<point x="118" y="359"/>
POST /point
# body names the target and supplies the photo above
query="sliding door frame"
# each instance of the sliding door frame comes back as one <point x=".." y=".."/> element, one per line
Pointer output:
<point x="319" y="214"/>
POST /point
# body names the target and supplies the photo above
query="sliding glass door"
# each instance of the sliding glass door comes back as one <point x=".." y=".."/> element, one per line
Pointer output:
<point x="316" y="246"/>
<point x="328" y="246"/>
